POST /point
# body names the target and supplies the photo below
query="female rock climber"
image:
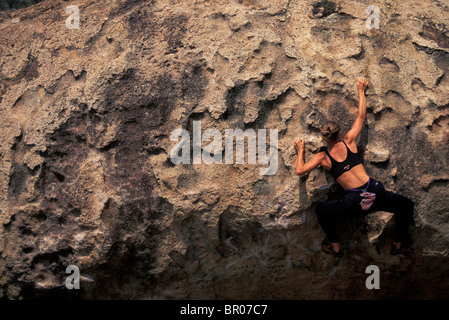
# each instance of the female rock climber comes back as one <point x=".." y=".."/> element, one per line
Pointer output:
<point x="363" y="194"/>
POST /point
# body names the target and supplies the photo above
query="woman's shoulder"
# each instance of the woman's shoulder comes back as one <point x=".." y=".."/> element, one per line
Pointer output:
<point x="322" y="149"/>
<point x="351" y="145"/>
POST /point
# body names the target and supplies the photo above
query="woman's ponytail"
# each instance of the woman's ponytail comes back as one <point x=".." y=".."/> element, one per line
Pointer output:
<point x="330" y="131"/>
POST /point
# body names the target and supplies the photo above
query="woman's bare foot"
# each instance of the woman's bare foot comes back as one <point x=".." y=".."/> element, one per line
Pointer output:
<point x="397" y="249"/>
<point x="332" y="248"/>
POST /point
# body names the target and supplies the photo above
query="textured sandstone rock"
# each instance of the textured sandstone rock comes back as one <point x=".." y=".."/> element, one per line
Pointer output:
<point x="377" y="155"/>
<point x="86" y="177"/>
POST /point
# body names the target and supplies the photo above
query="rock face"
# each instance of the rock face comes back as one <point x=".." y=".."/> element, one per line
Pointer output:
<point x="86" y="116"/>
<point x="16" y="4"/>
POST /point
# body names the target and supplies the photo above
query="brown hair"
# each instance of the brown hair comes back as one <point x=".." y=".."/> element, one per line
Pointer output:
<point x="330" y="130"/>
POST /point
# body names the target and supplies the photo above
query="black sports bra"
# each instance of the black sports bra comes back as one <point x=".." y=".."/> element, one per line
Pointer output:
<point x="338" y="168"/>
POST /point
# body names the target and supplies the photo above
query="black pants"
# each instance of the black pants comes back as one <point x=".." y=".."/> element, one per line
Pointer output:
<point x="350" y="207"/>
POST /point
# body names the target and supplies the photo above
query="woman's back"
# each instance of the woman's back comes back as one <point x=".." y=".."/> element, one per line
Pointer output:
<point x="345" y="164"/>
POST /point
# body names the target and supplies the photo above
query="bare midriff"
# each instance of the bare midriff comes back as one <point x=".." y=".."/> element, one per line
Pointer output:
<point x="353" y="178"/>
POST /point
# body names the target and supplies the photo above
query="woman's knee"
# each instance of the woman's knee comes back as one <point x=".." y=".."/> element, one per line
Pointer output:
<point x="323" y="211"/>
<point x="412" y="204"/>
<point x="319" y="209"/>
<point x="404" y="211"/>
<point x="397" y="203"/>
<point x="410" y="211"/>
<point x="408" y="204"/>
<point x="322" y="207"/>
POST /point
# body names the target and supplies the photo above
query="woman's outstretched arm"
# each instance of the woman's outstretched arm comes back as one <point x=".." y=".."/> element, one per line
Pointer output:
<point x="361" y="115"/>
<point x="301" y="167"/>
